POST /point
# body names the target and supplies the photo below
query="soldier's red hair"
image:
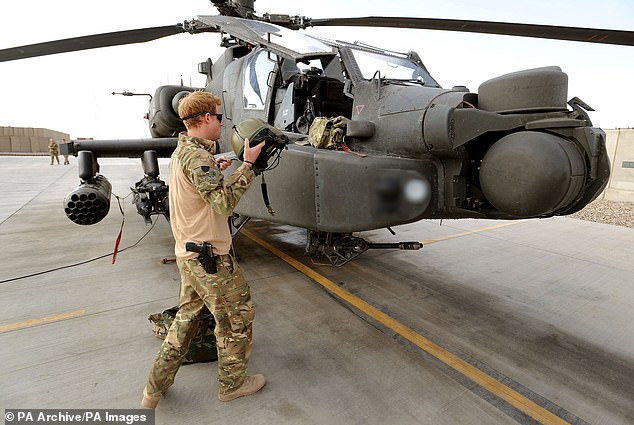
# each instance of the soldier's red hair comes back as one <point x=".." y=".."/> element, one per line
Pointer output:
<point x="197" y="102"/>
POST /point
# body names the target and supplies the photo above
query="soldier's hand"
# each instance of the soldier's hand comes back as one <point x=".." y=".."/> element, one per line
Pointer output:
<point x="252" y="153"/>
<point x="223" y="162"/>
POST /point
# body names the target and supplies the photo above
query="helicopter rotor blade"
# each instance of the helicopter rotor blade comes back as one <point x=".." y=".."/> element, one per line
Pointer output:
<point x="589" y="35"/>
<point x="90" y="42"/>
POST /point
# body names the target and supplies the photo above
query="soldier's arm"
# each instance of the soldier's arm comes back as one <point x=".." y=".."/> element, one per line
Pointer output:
<point x="220" y="193"/>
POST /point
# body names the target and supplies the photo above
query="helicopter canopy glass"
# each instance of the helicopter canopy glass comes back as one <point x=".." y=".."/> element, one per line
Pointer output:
<point x="375" y="65"/>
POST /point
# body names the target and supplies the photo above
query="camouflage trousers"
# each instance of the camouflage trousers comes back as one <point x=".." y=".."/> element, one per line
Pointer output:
<point x="228" y="298"/>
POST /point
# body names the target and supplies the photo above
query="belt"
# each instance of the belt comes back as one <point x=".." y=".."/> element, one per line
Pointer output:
<point x="218" y="257"/>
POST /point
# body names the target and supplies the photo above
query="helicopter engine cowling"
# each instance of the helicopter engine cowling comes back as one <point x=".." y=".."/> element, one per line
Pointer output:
<point x="90" y="202"/>
<point x="530" y="90"/>
<point x="163" y="115"/>
<point x="532" y="174"/>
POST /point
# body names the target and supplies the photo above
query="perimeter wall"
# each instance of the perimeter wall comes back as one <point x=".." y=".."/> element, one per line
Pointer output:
<point x="620" y="145"/>
<point x="22" y="140"/>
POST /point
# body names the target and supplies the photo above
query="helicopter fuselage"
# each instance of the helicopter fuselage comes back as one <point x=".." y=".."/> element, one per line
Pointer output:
<point x="416" y="150"/>
<point x="412" y="149"/>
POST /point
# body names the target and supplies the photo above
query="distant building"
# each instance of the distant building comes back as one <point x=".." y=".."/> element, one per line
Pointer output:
<point x="25" y="140"/>
<point x="620" y="147"/>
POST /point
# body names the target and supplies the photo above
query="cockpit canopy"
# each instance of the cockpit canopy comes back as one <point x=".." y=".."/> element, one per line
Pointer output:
<point x="390" y="67"/>
<point x="360" y="62"/>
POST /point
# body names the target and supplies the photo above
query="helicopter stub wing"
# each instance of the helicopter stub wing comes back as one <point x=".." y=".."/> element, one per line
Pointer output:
<point x="588" y="35"/>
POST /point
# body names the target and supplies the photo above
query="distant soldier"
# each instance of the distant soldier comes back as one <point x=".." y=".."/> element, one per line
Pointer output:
<point x="53" y="150"/>
<point x="64" y="141"/>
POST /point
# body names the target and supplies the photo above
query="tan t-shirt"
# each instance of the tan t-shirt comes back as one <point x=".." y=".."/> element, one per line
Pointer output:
<point x="201" y="199"/>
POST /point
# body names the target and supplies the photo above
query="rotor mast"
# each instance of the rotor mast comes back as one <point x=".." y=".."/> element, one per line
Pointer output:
<point x="237" y="8"/>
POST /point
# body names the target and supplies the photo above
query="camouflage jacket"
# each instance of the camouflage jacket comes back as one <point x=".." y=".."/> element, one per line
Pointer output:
<point x="201" y="197"/>
<point x="53" y="148"/>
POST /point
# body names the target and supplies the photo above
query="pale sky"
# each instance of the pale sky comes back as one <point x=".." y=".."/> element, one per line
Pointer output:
<point x="71" y="92"/>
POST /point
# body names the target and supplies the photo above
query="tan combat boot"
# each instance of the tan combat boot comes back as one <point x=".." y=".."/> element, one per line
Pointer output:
<point x="149" y="402"/>
<point x="251" y="385"/>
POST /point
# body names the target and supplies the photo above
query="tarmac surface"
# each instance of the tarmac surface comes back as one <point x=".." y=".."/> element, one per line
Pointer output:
<point x="492" y="322"/>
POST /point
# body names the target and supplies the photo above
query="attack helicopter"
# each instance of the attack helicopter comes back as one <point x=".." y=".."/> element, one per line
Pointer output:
<point x="517" y="148"/>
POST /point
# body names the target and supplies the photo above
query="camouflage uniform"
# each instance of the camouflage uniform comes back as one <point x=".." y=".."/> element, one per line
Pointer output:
<point x="66" y="161"/>
<point x="200" y="202"/>
<point x="53" y="150"/>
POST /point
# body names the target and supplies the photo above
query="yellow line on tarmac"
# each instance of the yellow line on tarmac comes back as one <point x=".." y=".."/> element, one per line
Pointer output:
<point x="42" y="320"/>
<point x="494" y="386"/>
<point x="484" y="229"/>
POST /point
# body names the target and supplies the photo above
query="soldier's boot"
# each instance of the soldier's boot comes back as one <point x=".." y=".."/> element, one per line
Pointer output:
<point x="149" y="402"/>
<point x="251" y="385"/>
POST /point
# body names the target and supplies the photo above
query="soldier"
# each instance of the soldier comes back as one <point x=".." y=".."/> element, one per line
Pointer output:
<point x="64" y="141"/>
<point x="201" y="200"/>
<point x="53" y="150"/>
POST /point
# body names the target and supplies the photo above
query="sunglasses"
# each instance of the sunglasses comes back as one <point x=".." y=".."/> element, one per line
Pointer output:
<point x="219" y="116"/>
<point x="197" y="114"/>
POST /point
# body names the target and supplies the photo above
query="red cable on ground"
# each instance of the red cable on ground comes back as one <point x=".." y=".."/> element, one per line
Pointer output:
<point x="116" y="245"/>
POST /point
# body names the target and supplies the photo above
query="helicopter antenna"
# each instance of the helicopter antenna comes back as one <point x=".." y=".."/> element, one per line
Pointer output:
<point x="129" y="93"/>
